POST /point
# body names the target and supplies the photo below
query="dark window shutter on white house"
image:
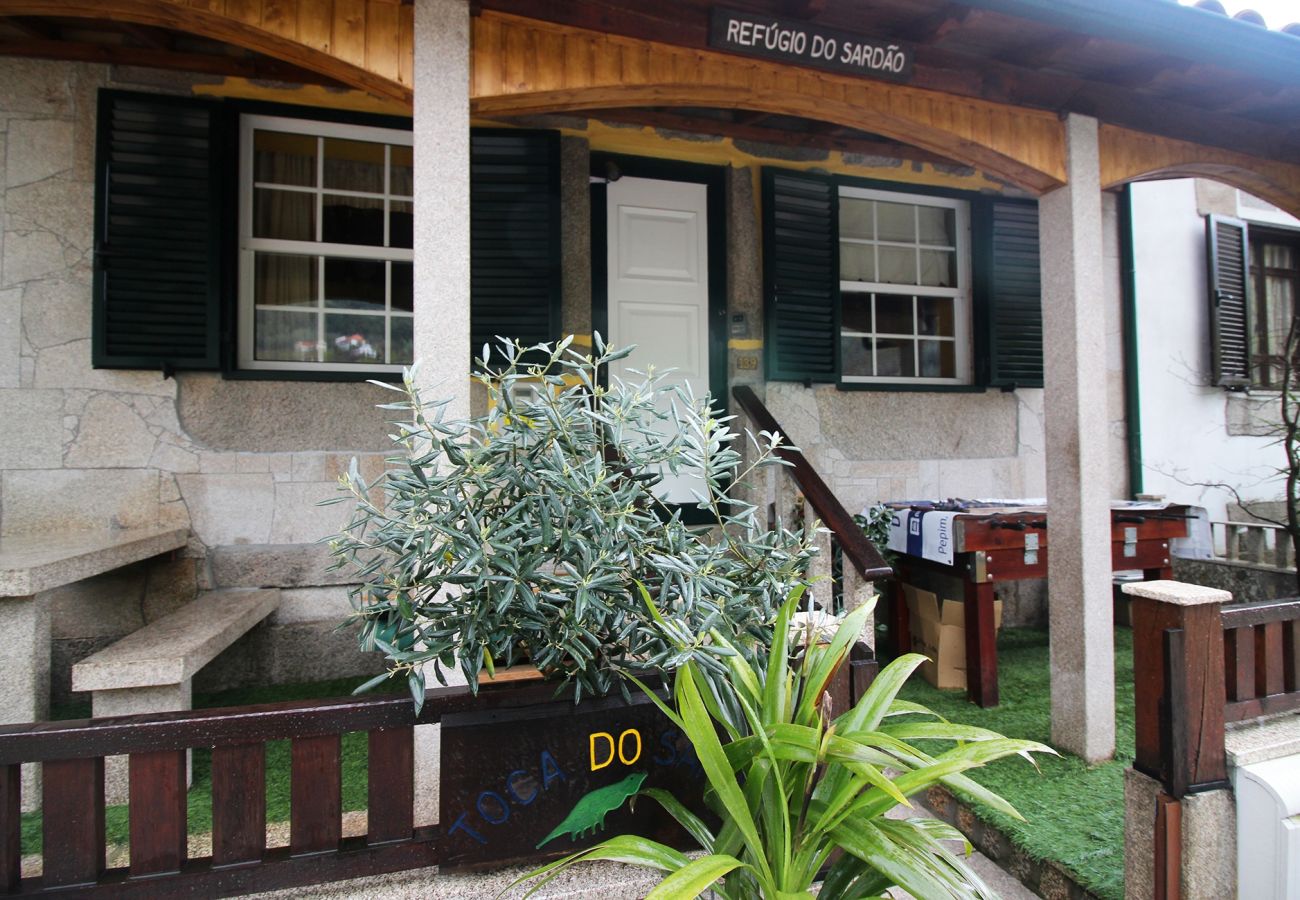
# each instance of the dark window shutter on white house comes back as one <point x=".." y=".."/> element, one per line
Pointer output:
<point x="514" y="236"/>
<point x="157" y="234"/>
<point x="1226" y="253"/>
<point x="1013" y="289"/>
<point x="801" y="279"/>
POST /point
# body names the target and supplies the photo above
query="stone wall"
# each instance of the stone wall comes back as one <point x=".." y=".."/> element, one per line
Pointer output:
<point x="240" y="463"/>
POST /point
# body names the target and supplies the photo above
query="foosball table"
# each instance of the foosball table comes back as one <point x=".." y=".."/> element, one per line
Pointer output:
<point x="965" y="550"/>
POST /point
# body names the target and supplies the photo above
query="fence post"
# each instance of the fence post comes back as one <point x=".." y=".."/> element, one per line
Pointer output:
<point x="1178" y="791"/>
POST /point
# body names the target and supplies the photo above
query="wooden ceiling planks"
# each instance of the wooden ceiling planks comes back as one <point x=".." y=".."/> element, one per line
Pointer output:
<point x="365" y="44"/>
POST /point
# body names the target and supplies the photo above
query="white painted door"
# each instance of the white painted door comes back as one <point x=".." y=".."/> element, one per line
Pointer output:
<point x="659" y="289"/>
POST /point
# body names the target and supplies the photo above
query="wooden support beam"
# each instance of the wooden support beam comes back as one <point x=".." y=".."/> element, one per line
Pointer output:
<point x="31" y="27"/>
<point x="113" y="54"/>
<point x="153" y="38"/>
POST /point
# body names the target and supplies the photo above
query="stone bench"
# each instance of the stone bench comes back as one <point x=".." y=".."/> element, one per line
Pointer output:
<point x="32" y="564"/>
<point x="151" y="670"/>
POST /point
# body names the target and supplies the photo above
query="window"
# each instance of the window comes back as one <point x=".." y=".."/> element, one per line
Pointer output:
<point x="904" y="287"/>
<point x="325" y="235"/>
<point x="1274" y="278"/>
<point x="306" y="270"/>
<point x="868" y="285"/>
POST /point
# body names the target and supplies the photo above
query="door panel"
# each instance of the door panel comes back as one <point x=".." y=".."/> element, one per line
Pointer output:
<point x="658" y="266"/>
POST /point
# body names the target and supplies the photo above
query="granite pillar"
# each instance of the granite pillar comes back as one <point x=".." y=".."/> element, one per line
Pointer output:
<point x="1078" y="484"/>
<point x="441" y="127"/>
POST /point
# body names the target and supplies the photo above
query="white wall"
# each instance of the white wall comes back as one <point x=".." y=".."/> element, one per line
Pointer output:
<point x="1186" y="444"/>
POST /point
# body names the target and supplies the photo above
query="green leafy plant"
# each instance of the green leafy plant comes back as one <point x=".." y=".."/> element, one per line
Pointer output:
<point x="875" y="524"/>
<point x="521" y="533"/>
<point x="791" y="786"/>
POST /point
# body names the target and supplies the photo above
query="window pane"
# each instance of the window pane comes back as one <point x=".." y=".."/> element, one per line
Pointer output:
<point x="285" y="336"/>
<point x="401" y="223"/>
<point x="401" y="177"/>
<point x="282" y="158"/>
<point x="284" y="215"/>
<point x="938" y="359"/>
<point x="855" y="218"/>
<point x="894" y="358"/>
<point x="896" y="221"/>
<point x="353" y="220"/>
<point x="938" y="268"/>
<point x="403" y="348"/>
<point x="354" y="339"/>
<point x="935" y="316"/>
<point x="855" y="355"/>
<point x="894" y="315"/>
<point x="1279" y="256"/>
<point x="354" y="284"/>
<point x="897" y="265"/>
<point x="936" y="225"/>
<point x="855" y="312"/>
<point x="354" y="165"/>
<point x="403" y="286"/>
<point x="858" y="262"/>
<point x="282" y="280"/>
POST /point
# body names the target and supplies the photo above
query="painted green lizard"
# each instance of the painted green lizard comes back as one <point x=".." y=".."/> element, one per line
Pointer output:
<point x="589" y="812"/>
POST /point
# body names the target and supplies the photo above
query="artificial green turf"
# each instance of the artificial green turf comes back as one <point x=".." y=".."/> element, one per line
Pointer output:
<point x="1074" y="812"/>
<point x="354" y="762"/>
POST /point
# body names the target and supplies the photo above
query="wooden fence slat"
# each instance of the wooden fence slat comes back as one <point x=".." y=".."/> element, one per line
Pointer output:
<point x="1268" y="659"/>
<point x="315" y="795"/>
<point x="1239" y="662"/>
<point x="238" y="804"/>
<point x="157" y="811"/>
<point x="1291" y="656"/>
<point x="11" y="779"/>
<point x="392" y="785"/>
<point x="73" y="821"/>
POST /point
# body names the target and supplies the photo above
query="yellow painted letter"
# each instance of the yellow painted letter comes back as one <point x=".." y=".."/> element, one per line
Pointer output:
<point x="622" y="757"/>
<point x="609" y="759"/>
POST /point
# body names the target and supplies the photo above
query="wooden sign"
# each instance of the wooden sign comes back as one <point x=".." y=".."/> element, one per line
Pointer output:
<point x="546" y="780"/>
<point x="805" y="44"/>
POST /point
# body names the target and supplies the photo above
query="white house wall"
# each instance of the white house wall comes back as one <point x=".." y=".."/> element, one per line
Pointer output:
<point x="1191" y="430"/>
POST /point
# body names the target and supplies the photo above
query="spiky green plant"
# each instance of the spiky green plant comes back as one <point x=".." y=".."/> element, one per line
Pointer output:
<point x="791" y="786"/>
<point x="525" y="530"/>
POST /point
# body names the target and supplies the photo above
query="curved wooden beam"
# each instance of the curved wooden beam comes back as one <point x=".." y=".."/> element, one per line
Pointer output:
<point x="1133" y="156"/>
<point x="524" y="66"/>
<point x="261" y="36"/>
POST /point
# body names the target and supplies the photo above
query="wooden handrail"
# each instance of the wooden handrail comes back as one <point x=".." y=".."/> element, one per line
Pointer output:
<point x="853" y="541"/>
<point x="154" y="732"/>
<point x="1241" y="615"/>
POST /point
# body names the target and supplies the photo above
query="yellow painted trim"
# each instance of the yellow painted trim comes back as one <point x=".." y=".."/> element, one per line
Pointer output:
<point x="304" y="95"/>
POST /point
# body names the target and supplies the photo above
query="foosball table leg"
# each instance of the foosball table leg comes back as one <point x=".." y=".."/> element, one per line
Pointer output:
<point x="981" y="644"/>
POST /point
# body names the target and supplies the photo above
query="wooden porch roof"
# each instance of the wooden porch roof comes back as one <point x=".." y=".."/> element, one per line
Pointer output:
<point x="1221" y="95"/>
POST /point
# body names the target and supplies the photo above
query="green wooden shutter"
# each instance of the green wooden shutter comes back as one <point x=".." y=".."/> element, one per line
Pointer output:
<point x="1012" y="293"/>
<point x="801" y="276"/>
<point x="514" y="236"/>
<point x="1226" y="252"/>
<point x="157" y="234"/>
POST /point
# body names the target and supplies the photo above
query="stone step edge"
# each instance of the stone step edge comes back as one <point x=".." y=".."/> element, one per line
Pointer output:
<point x="1046" y="878"/>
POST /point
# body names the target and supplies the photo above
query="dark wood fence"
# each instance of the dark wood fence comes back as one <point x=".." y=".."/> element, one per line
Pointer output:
<point x="71" y="755"/>
<point x="1198" y="666"/>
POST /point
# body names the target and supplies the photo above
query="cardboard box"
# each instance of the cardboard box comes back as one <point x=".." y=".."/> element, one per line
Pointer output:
<point x="939" y="632"/>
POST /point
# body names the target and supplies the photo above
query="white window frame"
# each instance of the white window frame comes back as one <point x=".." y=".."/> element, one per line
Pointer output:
<point x="961" y="293"/>
<point x="249" y="245"/>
